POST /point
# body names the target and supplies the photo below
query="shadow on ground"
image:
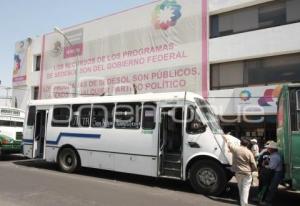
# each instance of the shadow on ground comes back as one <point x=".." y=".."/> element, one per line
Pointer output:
<point x="11" y="157"/>
<point x="230" y="196"/>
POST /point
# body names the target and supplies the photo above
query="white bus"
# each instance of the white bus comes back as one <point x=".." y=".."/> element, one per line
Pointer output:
<point x="11" y="129"/>
<point x="168" y="135"/>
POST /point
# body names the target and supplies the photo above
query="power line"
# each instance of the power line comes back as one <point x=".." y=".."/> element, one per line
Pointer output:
<point x="73" y="93"/>
<point x="209" y="97"/>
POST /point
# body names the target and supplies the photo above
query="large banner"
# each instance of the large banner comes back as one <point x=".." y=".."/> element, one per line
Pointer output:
<point x="257" y="100"/>
<point x="21" y="62"/>
<point x="158" y="47"/>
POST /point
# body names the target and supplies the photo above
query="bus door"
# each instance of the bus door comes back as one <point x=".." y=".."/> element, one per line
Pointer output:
<point x="39" y="137"/>
<point x="295" y="136"/>
<point x="170" y="142"/>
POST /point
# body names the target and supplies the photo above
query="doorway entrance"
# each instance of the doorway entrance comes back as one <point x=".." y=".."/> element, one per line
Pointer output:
<point x="40" y="133"/>
<point x="170" y="142"/>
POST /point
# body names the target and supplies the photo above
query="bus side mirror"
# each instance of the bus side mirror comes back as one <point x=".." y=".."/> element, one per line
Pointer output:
<point x="198" y="127"/>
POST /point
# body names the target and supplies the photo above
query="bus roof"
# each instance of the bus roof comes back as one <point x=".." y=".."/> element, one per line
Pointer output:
<point x="119" y="98"/>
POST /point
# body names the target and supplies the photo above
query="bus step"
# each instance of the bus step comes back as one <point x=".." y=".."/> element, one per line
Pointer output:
<point x="172" y="157"/>
<point x="172" y="172"/>
<point x="170" y="177"/>
<point x="172" y="164"/>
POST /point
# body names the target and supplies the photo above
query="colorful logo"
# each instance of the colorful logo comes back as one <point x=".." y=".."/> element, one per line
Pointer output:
<point x="166" y="14"/>
<point x="269" y="94"/>
<point x="245" y="95"/>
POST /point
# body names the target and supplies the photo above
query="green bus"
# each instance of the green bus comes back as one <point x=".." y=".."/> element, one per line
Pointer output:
<point x="288" y="133"/>
<point x="11" y="130"/>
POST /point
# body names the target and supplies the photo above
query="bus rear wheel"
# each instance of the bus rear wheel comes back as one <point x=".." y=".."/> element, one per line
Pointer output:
<point x="208" y="177"/>
<point x="68" y="160"/>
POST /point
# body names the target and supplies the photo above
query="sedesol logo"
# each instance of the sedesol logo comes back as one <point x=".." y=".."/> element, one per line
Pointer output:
<point x="166" y="14"/>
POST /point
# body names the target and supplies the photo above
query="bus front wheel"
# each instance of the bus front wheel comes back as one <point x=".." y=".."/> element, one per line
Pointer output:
<point x="68" y="160"/>
<point x="208" y="177"/>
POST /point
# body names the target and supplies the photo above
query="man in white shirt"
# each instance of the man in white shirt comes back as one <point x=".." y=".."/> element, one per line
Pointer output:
<point x="254" y="148"/>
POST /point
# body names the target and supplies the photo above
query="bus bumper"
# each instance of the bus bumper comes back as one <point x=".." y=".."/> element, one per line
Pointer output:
<point x="10" y="149"/>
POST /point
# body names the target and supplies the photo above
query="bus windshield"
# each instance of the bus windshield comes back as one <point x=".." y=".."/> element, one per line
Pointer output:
<point x="211" y="118"/>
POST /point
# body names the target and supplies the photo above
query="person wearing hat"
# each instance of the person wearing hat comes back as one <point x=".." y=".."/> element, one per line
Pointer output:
<point x="275" y="165"/>
<point x="254" y="148"/>
<point x="264" y="174"/>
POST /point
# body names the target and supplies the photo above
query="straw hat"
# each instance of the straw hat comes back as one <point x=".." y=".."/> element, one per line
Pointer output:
<point x="268" y="142"/>
<point x="272" y="145"/>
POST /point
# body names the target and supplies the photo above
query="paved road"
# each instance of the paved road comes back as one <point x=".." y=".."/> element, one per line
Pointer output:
<point x="34" y="183"/>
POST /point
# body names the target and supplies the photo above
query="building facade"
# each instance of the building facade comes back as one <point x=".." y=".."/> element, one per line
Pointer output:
<point x="254" y="47"/>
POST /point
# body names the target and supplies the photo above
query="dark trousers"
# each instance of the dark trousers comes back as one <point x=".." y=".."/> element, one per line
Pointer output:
<point x="277" y="177"/>
<point x="265" y="177"/>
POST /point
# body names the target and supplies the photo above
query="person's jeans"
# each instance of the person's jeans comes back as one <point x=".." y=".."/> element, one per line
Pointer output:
<point x="274" y="186"/>
<point x="265" y="178"/>
<point x="244" y="184"/>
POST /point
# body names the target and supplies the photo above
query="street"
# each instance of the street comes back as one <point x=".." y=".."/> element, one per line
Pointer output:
<point x="25" y="182"/>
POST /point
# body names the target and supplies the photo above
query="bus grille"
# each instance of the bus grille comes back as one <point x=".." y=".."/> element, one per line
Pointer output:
<point x="19" y="135"/>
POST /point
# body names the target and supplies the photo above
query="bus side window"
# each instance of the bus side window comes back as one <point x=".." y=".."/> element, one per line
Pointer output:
<point x="128" y="116"/>
<point x="294" y="110"/>
<point x="298" y="109"/>
<point x="149" y="114"/>
<point x="102" y="116"/>
<point x="81" y="115"/>
<point x="31" y="116"/>
<point x="61" y="116"/>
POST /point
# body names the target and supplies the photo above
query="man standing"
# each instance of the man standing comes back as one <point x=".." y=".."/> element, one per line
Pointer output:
<point x="275" y="165"/>
<point x="243" y="164"/>
<point x="264" y="176"/>
<point x="254" y="148"/>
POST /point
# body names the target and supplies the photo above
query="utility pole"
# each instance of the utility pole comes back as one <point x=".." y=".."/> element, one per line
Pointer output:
<point x="7" y="98"/>
<point x="59" y="31"/>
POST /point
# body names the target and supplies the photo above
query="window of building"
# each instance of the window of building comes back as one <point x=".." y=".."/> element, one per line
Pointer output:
<point x="235" y="22"/>
<point x="252" y="68"/>
<point x="81" y="115"/>
<point x="61" y="116"/>
<point x="215" y="76"/>
<point x="103" y="115"/>
<point x="293" y="7"/>
<point x="256" y="17"/>
<point x="31" y="116"/>
<point x="35" y="93"/>
<point x="214" y="26"/>
<point x="273" y="14"/>
<point x="128" y="116"/>
<point x="37" y="63"/>
<point x="226" y="24"/>
<point x="246" y="20"/>
<point x="227" y="75"/>
<point x="263" y="71"/>
<point x="282" y="69"/>
<point x="149" y="114"/>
